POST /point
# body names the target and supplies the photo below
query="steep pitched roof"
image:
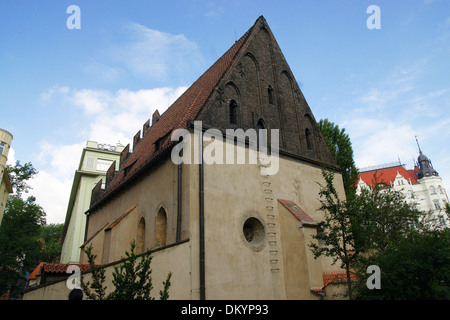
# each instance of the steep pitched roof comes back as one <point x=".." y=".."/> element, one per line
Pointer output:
<point x="184" y="109"/>
<point x="387" y="175"/>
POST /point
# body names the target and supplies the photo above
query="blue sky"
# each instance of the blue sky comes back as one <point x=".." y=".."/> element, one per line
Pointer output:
<point x="61" y="87"/>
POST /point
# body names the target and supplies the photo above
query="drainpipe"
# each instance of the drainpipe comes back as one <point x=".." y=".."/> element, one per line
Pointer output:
<point x="179" y="204"/>
<point x="202" y="219"/>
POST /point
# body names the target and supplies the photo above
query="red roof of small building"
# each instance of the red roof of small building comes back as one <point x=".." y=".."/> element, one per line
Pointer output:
<point x="46" y="267"/>
<point x="337" y="277"/>
<point x="387" y="175"/>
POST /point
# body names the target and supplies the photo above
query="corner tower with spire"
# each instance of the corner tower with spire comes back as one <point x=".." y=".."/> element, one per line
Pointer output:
<point x="424" y="164"/>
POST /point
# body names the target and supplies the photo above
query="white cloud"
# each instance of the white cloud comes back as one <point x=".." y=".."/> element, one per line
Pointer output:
<point x="386" y="92"/>
<point x="105" y="117"/>
<point x="377" y="141"/>
<point x="11" y="157"/>
<point x="155" y="54"/>
<point x="52" y="194"/>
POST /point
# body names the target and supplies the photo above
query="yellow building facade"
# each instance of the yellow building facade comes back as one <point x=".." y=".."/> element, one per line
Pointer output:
<point x="96" y="158"/>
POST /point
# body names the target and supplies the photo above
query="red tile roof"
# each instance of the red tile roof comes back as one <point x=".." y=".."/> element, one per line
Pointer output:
<point x="387" y="175"/>
<point x="45" y="267"/>
<point x="333" y="277"/>
<point x="185" y="108"/>
<point x="337" y="277"/>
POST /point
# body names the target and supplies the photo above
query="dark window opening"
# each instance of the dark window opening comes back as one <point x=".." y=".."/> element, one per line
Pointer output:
<point x="308" y="139"/>
<point x="233" y="112"/>
<point x="270" y="93"/>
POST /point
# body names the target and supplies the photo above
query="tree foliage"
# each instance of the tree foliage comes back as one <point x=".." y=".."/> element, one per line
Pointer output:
<point x="338" y="141"/>
<point x="380" y="215"/>
<point x="131" y="279"/>
<point x="416" y="267"/>
<point x="96" y="289"/>
<point x="50" y="236"/>
<point x="19" y="175"/>
<point x="25" y="239"/>
<point x="335" y="238"/>
<point x="382" y="229"/>
<point x="19" y="241"/>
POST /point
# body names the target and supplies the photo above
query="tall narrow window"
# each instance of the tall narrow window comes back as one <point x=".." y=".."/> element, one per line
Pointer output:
<point x="308" y="138"/>
<point x="432" y="190"/>
<point x="437" y="205"/>
<point x="140" y="245"/>
<point x="161" y="227"/>
<point x="270" y="93"/>
<point x="262" y="134"/>
<point x="233" y="112"/>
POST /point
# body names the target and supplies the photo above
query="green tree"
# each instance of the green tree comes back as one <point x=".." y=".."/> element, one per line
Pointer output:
<point x="19" y="175"/>
<point x="20" y="231"/>
<point x="335" y="238"/>
<point x="96" y="289"/>
<point x="341" y="149"/>
<point x="380" y="215"/>
<point x="19" y="243"/>
<point x="50" y="238"/>
<point x="416" y="267"/>
<point x="131" y="279"/>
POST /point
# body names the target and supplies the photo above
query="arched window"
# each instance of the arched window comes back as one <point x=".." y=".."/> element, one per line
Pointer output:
<point x="432" y="190"/>
<point x="233" y="112"/>
<point x="270" y="94"/>
<point x="308" y="139"/>
<point x="140" y="243"/>
<point x="161" y="227"/>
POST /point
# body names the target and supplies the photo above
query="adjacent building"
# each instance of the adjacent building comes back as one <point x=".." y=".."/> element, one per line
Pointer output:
<point x="96" y="159"/>
<point x="5" y="184"/>
<point x="422" y="186"/>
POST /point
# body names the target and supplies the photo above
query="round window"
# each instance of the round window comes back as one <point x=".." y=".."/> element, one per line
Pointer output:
<point x="253" y="231"/>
